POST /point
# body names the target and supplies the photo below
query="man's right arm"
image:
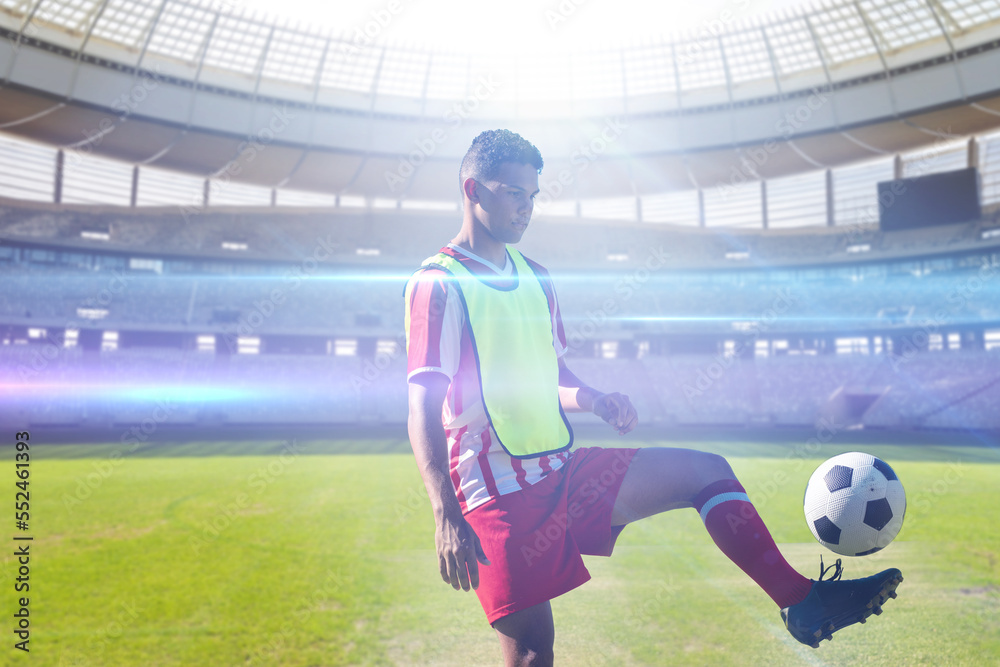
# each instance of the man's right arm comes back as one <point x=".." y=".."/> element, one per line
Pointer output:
<point x="458" y="548"/>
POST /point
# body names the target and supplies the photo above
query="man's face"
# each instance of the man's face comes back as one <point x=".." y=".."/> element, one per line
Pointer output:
<point x="508" y="201"/>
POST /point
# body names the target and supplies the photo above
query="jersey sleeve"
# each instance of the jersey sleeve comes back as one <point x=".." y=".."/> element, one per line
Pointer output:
<point x="433" y="325"/>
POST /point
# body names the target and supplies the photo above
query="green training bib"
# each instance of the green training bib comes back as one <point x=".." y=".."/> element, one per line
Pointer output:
<point x="518" y="370"/>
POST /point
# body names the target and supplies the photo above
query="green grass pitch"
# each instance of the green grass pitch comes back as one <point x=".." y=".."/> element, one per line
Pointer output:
<point x="254" y="553"/>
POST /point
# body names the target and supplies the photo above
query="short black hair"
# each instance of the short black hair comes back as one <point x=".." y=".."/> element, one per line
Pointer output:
<point x="491" y="149"/>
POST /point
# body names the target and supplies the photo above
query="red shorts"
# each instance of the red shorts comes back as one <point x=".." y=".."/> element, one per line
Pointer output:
<point x="535" y="537"/>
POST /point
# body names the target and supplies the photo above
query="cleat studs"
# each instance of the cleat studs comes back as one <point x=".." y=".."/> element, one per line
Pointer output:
<point x="892" y="594"/>
<point x="877" y="610"/>
<point x="863" y="619"/>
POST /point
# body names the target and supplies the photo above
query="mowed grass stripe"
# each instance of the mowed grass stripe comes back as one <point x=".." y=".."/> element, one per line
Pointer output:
<point x="233" y="547"/>
<point x="328" y="560"/>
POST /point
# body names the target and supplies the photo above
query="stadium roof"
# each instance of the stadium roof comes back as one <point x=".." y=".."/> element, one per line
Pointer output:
<point x="184" y="86"/>
<point x="716" y="54"/>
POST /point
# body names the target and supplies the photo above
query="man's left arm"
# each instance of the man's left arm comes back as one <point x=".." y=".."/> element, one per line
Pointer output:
<point x="576" y="396"/>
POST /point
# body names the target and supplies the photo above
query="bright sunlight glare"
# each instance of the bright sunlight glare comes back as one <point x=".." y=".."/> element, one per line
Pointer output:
<point x="519" y="26"/>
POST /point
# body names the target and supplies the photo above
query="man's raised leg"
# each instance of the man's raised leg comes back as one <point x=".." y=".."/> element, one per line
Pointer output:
<point x="527" y="636"/>
<point x="662" y="478"/>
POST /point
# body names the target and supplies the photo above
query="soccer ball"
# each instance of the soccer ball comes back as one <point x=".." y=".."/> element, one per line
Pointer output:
<point x="854" y="504"/>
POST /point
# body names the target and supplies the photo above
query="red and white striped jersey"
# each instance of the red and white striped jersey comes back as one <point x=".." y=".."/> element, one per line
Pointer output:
<point x="438" y="341"/>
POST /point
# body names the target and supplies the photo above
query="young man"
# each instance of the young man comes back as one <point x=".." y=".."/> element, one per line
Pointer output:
<point x="514" y="506"/>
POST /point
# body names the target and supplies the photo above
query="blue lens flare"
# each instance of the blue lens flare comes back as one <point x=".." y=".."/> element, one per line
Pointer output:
<point x="125" y="392"/>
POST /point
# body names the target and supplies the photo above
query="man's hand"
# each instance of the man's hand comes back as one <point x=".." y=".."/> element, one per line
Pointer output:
<point x="617" y="410"/>
<point x="459" y="553"/>
<point x="458" y="548"/>
<point x="614" y="408"/>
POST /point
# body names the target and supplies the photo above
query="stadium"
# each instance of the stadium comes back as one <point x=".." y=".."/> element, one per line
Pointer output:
<point x="777" y="230"/>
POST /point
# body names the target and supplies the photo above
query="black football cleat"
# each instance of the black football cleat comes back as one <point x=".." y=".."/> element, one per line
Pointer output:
<point x="833" y="604"/>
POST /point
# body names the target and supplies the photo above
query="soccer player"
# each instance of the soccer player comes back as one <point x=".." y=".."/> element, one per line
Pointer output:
<point x="515" y="507"/>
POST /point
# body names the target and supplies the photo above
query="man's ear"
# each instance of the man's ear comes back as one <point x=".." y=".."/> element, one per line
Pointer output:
<point x="471" y="189"/>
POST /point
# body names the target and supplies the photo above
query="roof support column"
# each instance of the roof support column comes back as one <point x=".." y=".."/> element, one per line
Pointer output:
<point x="57" y="187"/>
<point x="829" y="198"/>
<point x="763" y="203"/>
<point x="134" y="196"/>
<point x="701" y="207"/>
